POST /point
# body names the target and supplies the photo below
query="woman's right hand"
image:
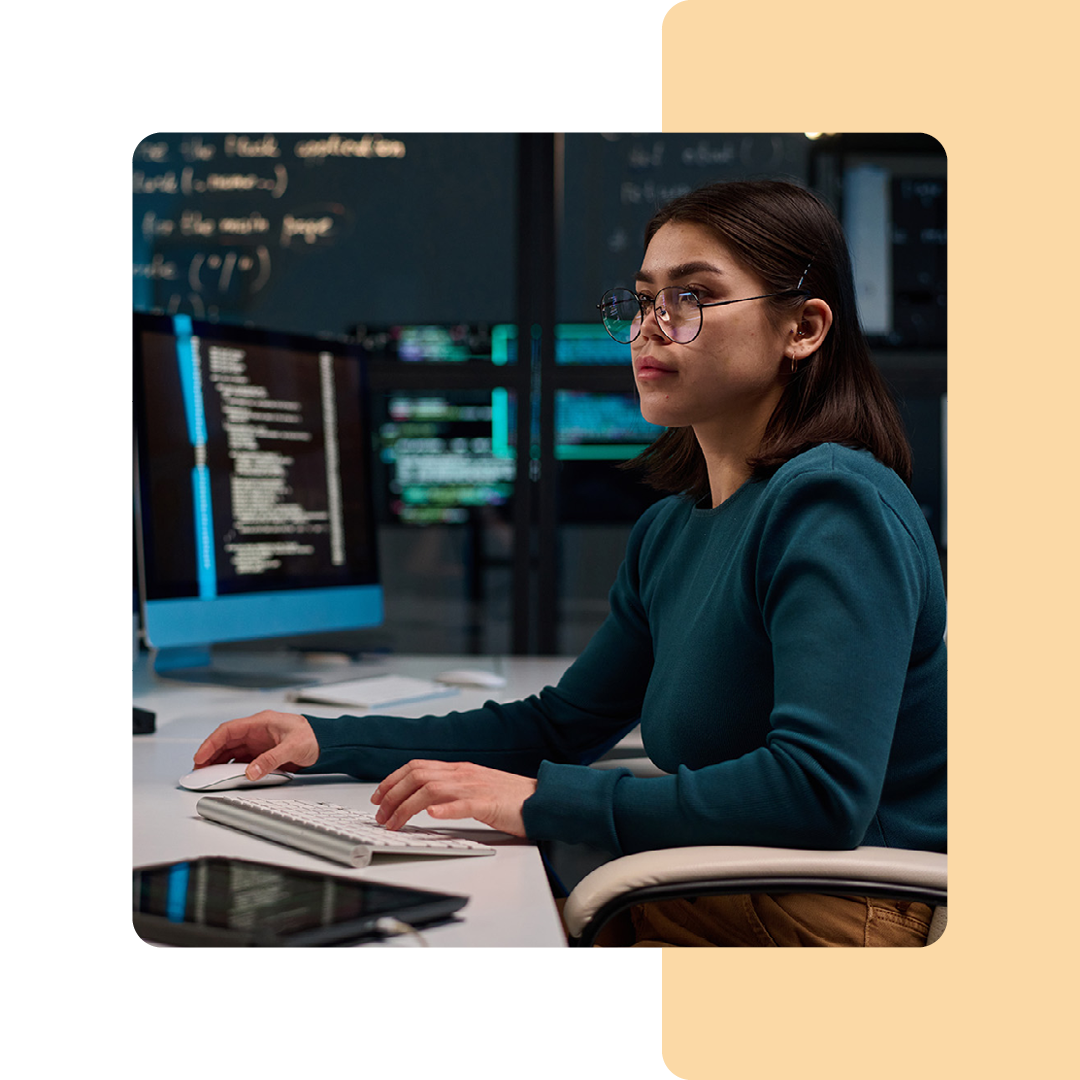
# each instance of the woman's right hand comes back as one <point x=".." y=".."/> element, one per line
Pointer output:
<point x="268" y="740"/>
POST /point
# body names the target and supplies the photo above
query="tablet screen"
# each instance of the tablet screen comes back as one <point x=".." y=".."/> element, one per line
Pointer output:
<point x="236" y="902"/>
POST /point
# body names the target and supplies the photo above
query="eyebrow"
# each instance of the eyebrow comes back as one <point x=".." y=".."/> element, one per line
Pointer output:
<point x="680" y="271"/>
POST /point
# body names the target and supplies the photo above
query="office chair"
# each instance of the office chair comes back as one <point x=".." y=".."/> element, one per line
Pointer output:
<point x="699" y="871"/>
<point x="671" y="873"/>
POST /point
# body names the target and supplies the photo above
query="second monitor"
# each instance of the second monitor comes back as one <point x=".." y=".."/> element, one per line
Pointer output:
<point x="255" y="515"/>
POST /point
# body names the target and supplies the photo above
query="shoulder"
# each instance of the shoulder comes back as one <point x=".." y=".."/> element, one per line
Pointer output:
<point x="662" y="513"/>
<point x="653" y="530"/>
<point x="839" y="467"/>
<point x="837" y="481"/>
<point x="839" y="517"/>
<point x="839" y="460"/>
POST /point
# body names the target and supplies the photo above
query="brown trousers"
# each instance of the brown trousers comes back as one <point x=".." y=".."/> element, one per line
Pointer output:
<point x="796" y="919"/>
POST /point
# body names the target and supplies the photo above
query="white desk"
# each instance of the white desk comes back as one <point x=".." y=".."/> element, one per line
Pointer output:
<point x="510" y="901"/>
<point x="82" y="818"/>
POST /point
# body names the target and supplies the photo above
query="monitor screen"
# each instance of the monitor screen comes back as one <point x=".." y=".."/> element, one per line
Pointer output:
<point x="444" y="343"/>
<point x="254" y="504"/>
<point x="445" y="454"/>
<point x="594" y="432"/>
<point x="896" y="223"/>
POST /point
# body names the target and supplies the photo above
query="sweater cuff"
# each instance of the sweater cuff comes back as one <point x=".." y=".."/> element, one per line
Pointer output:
<point x="337" y="746"/>
<point x="575" y="804"/>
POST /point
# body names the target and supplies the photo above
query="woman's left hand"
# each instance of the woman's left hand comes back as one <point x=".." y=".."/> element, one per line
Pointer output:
<point x="453" y="789"/>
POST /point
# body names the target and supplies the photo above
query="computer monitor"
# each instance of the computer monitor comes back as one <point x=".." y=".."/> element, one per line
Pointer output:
<point x="895" y="219"/>
<point x="594" y="432"/>
<point x="444" y="454"/>
<point x="254" y="514"/>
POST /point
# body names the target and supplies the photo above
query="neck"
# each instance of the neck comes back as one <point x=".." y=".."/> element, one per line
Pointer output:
<point x="726" y="476"/>
<point x="726" y="450"/>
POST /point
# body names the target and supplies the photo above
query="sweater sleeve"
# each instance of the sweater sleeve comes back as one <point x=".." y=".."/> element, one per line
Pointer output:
<point x="515" y="736"/>
<point x="839" y="582"/>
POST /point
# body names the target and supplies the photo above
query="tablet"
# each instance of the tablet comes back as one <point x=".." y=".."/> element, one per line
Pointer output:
<point x="236" y="902"/>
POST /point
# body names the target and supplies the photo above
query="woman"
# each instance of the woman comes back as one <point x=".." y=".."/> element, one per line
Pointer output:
<point x="777" y="624"/>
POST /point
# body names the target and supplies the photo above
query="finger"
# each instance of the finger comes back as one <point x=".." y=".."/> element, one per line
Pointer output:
<point x="272" y="759"/>
<point x="389" y="782"/>
<point x="393" y="779"/>
<point x="212" y="745"/>
<point x="456" y="809"/>
<point x="396" y="794"/>
<point x="424" y="798"/>
<point x="229" y="752"/>
<point x="226" y="737"/>
<point x="419" y="784"/>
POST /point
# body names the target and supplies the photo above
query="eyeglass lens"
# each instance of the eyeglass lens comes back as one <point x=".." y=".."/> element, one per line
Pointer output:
<point x="678" y="314"/>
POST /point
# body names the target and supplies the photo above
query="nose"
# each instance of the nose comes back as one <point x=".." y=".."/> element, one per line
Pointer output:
<point x="648" y="312"/>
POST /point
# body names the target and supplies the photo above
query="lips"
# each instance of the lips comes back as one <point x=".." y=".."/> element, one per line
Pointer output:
<point x="649" y="368"/>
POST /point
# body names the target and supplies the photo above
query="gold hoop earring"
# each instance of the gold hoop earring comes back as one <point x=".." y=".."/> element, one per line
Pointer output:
<point x="798" y="332"/>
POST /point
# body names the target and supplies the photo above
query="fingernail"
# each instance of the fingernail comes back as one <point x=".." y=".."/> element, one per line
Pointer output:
<point x="254" y="772"/>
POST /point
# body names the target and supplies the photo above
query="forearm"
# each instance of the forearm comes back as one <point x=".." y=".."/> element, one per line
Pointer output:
<point x="514" y="737"/>
<point x="768" y="797"/>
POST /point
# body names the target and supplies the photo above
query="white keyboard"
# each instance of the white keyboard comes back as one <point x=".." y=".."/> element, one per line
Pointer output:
<point x="332" y="832"/>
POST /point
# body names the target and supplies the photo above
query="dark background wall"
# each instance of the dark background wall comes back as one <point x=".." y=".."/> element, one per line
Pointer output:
<point x="341" y="234"/>
<point x="347" y="233"/>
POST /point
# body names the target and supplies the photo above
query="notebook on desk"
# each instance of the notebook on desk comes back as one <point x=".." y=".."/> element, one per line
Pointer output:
<point x="374" y="692"/>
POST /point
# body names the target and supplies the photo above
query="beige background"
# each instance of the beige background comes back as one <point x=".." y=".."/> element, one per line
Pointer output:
<point x="995" y="997"/>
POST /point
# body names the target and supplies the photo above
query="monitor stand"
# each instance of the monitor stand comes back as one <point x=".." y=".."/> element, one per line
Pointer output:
<point x="249" y="671"/>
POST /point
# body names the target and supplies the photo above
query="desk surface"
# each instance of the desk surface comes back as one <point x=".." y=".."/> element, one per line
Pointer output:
<point x="510" y="902"/>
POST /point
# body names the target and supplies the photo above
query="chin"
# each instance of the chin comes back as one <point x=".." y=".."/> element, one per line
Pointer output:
<point x="654" y="412"/>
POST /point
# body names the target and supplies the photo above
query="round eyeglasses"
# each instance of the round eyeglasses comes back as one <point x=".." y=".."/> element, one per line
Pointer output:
<point x="678" y="312"/>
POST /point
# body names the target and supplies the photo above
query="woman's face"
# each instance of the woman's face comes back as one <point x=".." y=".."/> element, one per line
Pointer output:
<point x="733" y="372"/>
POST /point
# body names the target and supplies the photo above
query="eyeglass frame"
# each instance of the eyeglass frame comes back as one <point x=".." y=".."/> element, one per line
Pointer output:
<point x="701" y="321"/>
<point x="642" y="299"/>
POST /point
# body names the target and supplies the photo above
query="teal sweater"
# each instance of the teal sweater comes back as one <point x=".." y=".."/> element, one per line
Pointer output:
<point x="784" y="653"/>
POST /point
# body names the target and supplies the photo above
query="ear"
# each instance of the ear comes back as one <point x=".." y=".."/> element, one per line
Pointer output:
<point x="809" y="332"/>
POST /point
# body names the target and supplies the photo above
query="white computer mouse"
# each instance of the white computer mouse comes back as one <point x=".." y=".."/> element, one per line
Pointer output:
<point x="467" y="677"/>
<point x="227" y="777"/>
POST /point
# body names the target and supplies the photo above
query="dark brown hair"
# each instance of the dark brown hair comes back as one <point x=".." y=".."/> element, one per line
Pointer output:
<point x="775" y="229"/>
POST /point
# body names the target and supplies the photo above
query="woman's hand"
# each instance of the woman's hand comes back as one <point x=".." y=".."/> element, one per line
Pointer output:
<point x="268" y="740"/>
<point x="453" y="789"/>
